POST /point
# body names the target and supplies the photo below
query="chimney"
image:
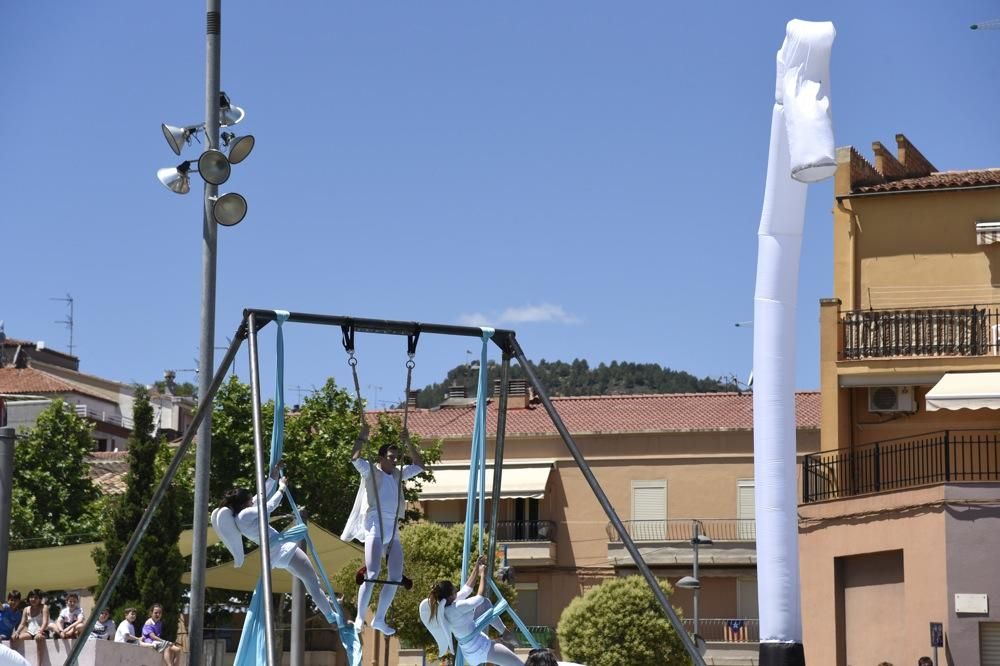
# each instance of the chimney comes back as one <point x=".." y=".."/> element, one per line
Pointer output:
<point x="518" y="393"/>
<point x="168" y="381"/>
<point x="456" y="390"/>
<point x="411" y="400"/>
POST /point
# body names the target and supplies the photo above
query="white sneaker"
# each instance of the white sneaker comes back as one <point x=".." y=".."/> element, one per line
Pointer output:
<point x="380" y="625"/>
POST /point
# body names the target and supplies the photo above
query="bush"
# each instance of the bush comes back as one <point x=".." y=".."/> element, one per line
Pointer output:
<point x="620" y="622"/>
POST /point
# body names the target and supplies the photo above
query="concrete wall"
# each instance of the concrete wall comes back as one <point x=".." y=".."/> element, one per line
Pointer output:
<point x="95" y="653"/>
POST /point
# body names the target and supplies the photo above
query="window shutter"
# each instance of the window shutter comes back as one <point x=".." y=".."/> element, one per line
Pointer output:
<point x="989" y="643"/>
<point x="649" y="510"/>
<point x="745" y="510"/>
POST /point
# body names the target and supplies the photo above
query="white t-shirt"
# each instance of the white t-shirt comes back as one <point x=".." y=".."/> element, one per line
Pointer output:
<point x="125" y="629"/>
<point x="104" y="631"/>
<point x="388" y="488"/>
<point x="69" y="617"/>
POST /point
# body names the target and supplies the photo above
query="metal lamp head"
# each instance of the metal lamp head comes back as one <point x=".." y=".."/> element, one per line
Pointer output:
<point x="214" y="167"/>
<point x="229" y="209"/>
<point x="176" y="179"/>
<point x="239" y="146"/>
<point x="689" y="583"/>
<point x="229" y="114"/>
<point x="177" y="137"/>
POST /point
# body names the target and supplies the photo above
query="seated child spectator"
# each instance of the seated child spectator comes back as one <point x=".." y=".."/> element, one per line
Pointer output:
<point x="104" y="628"/>
<point x="35" y="618"/>
<point x="126" y="629"/>
<point x="10" y="615"/>
<point x="151" y="634"/>
<point x="70" y="620"/>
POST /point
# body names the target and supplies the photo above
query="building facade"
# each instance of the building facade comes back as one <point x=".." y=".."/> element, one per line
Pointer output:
<point x="900" y="517"/>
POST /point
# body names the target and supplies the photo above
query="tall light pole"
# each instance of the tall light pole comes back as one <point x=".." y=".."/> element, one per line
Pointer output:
<point x="692" y="582"/>
<point x="214" y="167"/>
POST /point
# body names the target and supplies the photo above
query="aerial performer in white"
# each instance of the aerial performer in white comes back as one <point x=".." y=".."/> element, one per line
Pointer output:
<point x="801" y="152"/>
<point x="378" y="508"/>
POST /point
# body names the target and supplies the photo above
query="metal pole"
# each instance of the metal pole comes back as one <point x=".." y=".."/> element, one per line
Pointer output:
<point x="697" y="590"/>
<point x="608" y="509"/>
<point x="260" y="467"/>
<point x="498" y="462"/>
<point x="7" y="437"/>
<point x="298" y="646"/>
<point x="209" y="232"/>
<point x="204" y="407"/>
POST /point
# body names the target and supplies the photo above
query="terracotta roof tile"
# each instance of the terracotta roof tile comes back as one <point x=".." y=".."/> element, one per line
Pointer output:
<point x="30" y="380"/>
<point x="939" y="180"/>
<point x="107" y="471"/>
<point x="677" y="412"/>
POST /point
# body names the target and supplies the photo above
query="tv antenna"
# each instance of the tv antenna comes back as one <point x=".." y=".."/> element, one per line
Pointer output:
<point x="68" y="321"/>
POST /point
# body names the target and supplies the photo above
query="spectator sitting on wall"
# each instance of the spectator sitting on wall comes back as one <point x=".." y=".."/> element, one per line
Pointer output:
<point x="70" y="620"/>
<point x="104" y="628"/>
<point x="152" y="631"/>
<point x="35" y="618"/>
<point x="10" y="615"/>
<point x="126" y="632"/>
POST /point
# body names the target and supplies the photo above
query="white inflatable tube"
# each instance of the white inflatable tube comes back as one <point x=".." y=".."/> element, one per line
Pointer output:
<point x="801" y="152"/>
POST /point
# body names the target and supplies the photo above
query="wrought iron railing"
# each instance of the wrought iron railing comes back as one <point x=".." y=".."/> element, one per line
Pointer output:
<point x="952" y="331"/>
<point x="717" y="529"/>
<point x="521" y="530"/>
<point x="725" y="630"/>
<point x="906" y="462"/>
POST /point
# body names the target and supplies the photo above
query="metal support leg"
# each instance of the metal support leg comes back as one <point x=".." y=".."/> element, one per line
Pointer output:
<point x="498" y="461"/>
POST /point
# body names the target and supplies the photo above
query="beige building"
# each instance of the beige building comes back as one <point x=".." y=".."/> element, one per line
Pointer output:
<point x="668" y="463"/>
<point x="900" y="521"/>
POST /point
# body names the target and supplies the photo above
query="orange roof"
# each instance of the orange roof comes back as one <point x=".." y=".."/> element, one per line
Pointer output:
<point x="29" y="380"/>
<point x="939" y="180"/>
<point x="107" y="471"/>
<point x="679" y="412"/>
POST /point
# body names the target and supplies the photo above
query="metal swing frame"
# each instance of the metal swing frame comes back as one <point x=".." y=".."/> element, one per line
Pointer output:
<point x="254" y="319"/>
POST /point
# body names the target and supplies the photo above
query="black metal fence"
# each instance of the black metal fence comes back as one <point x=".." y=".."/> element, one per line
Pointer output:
<point x="723" y="630"/>
<point x="521" y="530"/>
<point x="906" y="462"/>
<point x="717" y="529"/>
<point x="952" y="331"/>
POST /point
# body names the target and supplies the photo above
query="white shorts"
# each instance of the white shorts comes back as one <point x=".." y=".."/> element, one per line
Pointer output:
<point x="476" y="649"/>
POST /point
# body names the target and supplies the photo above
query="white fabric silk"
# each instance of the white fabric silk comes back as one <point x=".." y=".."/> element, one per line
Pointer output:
<point x="801" y="151"/>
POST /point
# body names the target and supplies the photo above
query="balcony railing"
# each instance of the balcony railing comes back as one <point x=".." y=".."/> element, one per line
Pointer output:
<point x="722" y="630"/>
<point x="952" y="331"/>
<point x="521" y="530"/>
<point x="86" y="412"/>
<point x="937" y="457"/>
<point x="717" y="529"/>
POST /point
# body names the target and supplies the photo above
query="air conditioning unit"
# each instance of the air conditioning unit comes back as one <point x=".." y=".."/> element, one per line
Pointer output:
<point x="891" y="399"/>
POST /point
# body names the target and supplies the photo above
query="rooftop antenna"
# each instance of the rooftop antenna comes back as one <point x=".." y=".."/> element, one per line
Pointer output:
<point x="68" y="321"/>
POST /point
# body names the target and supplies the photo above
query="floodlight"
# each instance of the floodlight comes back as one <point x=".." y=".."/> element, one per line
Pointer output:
<point x="228" y="113"/>
<point x="176" y="179"/>
<point x="239" y="146"/>
<point x="229" y="209"/>
<point x="177" y="137"/>
<point x="214" y="167"/>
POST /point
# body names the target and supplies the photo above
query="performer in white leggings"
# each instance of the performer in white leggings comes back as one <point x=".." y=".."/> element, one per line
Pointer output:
<point x="239" y="505"/>
<point x="378" y="508"/>
<point x="445" y="612"/>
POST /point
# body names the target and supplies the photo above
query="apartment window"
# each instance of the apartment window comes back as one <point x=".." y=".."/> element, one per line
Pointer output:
<point x="989" y="643"/>
<point x="527" y="603"/>
<point x="649" y="510"/>
<point x="101" y="444"/>
<point x="746" y="597"/>
<point x="745" y="515"/>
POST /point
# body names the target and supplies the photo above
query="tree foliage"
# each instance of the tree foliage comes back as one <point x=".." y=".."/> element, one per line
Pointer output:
<point x="153" y="575"/>
<point x="432" y="552"/>
<point x="53" y="500"/>
<point x="620" y="622"/>
<point x="578" y="378"/>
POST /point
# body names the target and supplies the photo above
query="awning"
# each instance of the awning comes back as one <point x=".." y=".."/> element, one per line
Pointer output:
<point x="965" y="390"/>
<point x="66" y="567"/>
<point x="333" y="552"/>
<point x="519" y="479"/>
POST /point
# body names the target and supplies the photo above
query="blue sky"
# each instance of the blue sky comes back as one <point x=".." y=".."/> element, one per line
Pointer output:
<point x="588" y="173"/>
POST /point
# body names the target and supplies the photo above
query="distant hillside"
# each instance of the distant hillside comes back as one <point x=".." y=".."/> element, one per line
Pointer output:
<point x="578" y="378"/>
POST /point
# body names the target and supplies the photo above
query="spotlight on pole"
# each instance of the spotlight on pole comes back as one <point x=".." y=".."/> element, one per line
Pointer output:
<point x="178" y="137"/>
<point x="214" y="167"/>
<point x="229" y="114"/>
<point x="176" y="179"/>
<point x="229" y="209"/>
<point x="239" y="146"/>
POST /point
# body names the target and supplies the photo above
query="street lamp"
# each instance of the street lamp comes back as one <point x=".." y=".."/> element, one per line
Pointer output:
<point x="214" y="166"/>
<point x="692" y="582"/>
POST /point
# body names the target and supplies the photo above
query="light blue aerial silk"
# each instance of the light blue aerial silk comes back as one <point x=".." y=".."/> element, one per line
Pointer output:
<point x="477" y="490"/>
<point x="252" y="649"/>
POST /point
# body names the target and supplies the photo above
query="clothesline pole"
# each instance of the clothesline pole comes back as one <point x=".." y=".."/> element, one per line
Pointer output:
<point x="261" y="475"/>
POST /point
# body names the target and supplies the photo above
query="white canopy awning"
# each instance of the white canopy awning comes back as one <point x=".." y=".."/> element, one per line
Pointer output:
<point x="965" y="390"/>
<point x="519" y="479"/>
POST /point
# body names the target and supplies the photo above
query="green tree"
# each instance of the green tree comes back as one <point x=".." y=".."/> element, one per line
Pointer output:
<point x="53" y="500"/>
<point x="433" y="552"/>
<point x="154" y="573"/>
<point x="620" y="622"/>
